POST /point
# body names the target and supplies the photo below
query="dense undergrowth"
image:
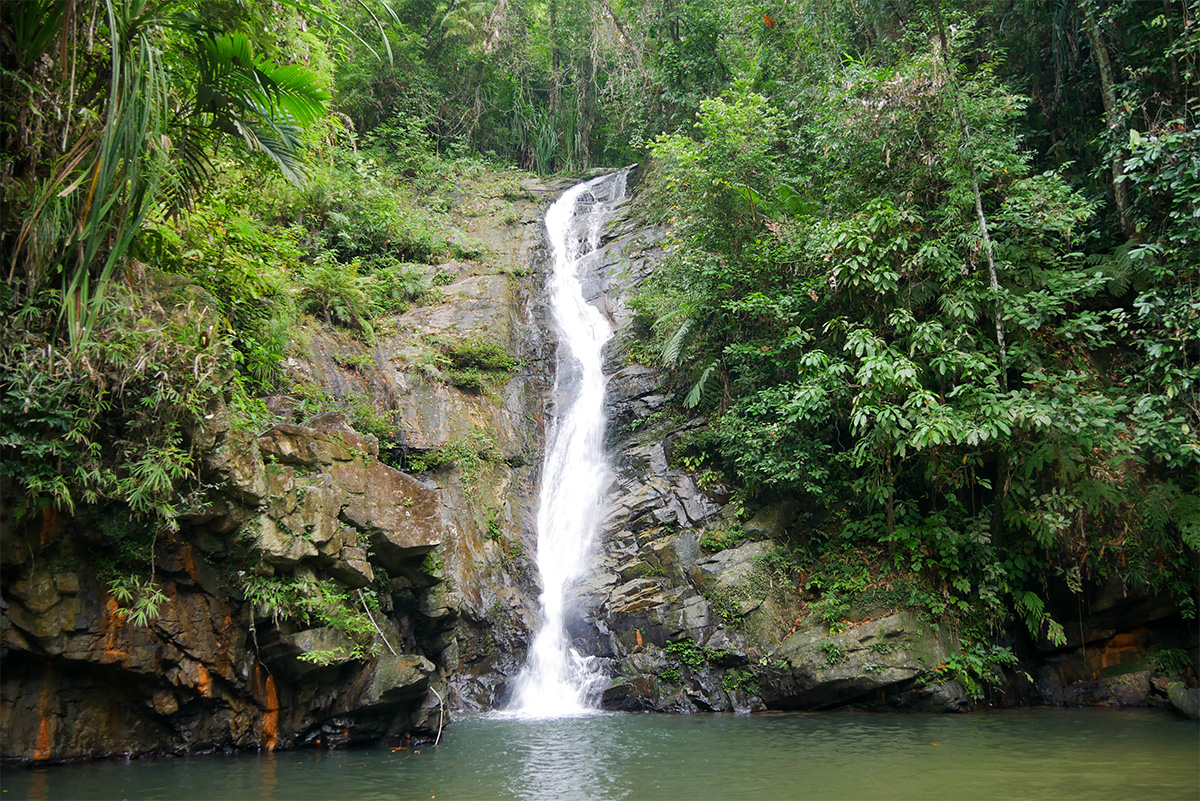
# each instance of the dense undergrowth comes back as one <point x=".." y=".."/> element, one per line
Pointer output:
<point x="894" y="309"/>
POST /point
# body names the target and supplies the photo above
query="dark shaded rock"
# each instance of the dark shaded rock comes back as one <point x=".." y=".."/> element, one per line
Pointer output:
<point x="1132" y="689"/>
<point x="1185" y="700"/>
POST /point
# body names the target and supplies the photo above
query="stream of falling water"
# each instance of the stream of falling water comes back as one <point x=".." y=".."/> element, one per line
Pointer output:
<point x="556" y="680"/>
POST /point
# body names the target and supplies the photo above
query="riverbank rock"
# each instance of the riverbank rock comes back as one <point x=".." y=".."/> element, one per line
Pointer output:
<point x="1185" y="700"/>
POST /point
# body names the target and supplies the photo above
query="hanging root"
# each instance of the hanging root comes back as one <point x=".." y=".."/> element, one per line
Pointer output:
<point x="441" y="713"/>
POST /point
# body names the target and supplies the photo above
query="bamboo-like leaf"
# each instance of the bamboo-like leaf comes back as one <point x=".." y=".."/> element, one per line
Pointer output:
<point x="35" y="24"/>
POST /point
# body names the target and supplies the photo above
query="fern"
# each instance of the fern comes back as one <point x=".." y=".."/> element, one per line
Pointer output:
<point x="703" y="387"/>
<point x="674" y="348"/>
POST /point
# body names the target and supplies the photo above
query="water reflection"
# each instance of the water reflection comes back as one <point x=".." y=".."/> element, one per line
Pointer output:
<point x="562" y="759"/>
<point x="39" y="785"/>
<point x="1030" y="754"/>
<point x="268" y="767"/>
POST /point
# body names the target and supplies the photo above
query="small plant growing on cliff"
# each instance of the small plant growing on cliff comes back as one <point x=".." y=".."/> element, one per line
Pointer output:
<point x="480" y="354"/>
<point x="715" y="540"/>
<point x="141" y="597"/>
<point x="469" y="454"/>
<point x="494" y="526"/>
<point x="432" y="565"/>
<point x="466" y="380"/>
<point x="832" y="651"/>
<point x="739" y="679"/>
<point x="726" y="602"/>
<point x="687" y="653"/>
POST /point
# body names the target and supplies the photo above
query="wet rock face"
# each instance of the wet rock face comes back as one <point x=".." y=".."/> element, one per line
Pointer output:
<point x="210" y="669"/>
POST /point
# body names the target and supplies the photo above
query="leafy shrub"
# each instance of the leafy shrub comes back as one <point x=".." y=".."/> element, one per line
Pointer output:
<point x="480" y="354"/>
<point x="467" y="380"/>
<point x="739" y="679"/>
<point x="686" y="652"/>
<point x="337" y="293"/>
<point x="394" y="287"/>
<point x="1172" y="662"/>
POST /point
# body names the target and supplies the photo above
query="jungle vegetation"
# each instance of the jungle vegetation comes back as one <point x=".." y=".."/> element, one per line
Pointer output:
<point x="933" y="264"/>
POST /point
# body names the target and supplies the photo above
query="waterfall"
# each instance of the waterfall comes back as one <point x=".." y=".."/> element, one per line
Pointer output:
<point x="557" y="681"/>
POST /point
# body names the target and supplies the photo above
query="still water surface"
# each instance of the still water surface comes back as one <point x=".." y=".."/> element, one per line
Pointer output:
<point x="1035" y="754"/>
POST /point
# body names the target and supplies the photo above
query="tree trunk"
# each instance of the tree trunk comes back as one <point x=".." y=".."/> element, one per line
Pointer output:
<point x="1112" y="117"/>
<point x="993" y="277"/>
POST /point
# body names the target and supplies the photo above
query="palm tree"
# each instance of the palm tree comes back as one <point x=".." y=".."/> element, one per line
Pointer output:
<point x="168" y="89"/>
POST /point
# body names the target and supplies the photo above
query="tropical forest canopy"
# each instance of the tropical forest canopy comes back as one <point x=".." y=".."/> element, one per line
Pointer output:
<point x="932" y="268"/>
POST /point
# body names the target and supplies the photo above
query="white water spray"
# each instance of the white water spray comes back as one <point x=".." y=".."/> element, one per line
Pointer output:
<point x="557" y="681"/>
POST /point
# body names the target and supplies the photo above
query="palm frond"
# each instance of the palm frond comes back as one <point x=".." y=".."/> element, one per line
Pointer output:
<point x="266" y="104"/>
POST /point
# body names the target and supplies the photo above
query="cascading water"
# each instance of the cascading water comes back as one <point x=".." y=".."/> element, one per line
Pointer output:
<point x="557" y="681"/>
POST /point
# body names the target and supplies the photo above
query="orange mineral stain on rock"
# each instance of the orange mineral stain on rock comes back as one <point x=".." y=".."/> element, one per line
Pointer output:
<point x="1124" y="646"/>
<point x="49" y="524"/>
<point x="270" y="721"/>
<point x="203" y="680"/>
<point x="112" y="623"/>
<point x="189" y="562"/>
<point x="41" y="751"/>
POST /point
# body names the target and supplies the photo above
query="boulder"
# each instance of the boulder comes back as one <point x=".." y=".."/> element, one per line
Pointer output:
<point x="865" y="663"/>
<point x="401" y="516"/>
<point x="392" y="678"/>
<point x="1185" y="700"/>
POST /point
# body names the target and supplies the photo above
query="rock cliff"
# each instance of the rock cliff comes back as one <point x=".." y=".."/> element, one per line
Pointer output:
<point x="317" y="591"/>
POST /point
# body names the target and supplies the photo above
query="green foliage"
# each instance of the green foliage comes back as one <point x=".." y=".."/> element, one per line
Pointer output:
<point x="714" y="540"/>
<point x="357" y="209"/>
<point x="106" y="423"/>
<point x="644" y="570"/>
<point x="337" y="294"/>
<point x="432" y="564"/>
<point x="322" y="602"/>
<point x="687" y="653"/>
<point x="142" y="598"/>
<point x="832" y="651"/>
<point x="163" y="80"/>
<point x="977" y="665"/>
<point x="739" y="679"/>
<point x="1173" y="662"/>
<point x="480" y="354"/>
<point x="827" y="299"/>
<point x="469" y="454"/>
